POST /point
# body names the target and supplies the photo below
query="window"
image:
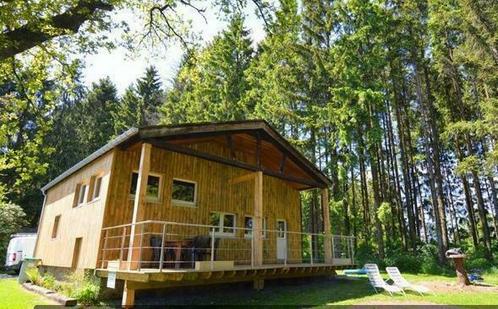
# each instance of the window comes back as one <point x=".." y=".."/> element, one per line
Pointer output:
<point x="95" y="184"/>
<point x="184" y="192"/>
<point x="153" y="192"/>
<point x="224" y="223"/>
<point x="55" y="227"/>
<point x="79" y="194"/>
<point x="248" y="224"/>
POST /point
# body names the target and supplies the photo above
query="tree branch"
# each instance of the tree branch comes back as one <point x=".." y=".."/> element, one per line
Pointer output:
<point x="39" y="31"/>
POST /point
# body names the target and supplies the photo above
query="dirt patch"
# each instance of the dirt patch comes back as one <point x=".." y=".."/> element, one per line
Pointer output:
<point x="448" y="287"/>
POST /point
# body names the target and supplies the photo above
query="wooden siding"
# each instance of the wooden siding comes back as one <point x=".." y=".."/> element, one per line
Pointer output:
<point x="84" y="221"/>
<point x="214" y="193"/>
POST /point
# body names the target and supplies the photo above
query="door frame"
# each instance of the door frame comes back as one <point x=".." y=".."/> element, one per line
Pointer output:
<point x="282" y="240"/>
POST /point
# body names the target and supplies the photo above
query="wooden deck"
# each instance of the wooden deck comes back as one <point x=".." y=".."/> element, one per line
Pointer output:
<point x="153" y="278"/>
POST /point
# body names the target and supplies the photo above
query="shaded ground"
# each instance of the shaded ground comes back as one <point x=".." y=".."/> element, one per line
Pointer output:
<point x="321" y="292"/>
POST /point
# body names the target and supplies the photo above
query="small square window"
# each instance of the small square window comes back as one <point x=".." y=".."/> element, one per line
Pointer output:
<point x="224" y="223"/>
<point x="153" y="186"/>
<point x="249" y="226"/>
<point x="184" y="192"/>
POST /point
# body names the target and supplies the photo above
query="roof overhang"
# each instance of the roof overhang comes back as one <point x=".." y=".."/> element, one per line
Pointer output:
<point x="175" y="137"/>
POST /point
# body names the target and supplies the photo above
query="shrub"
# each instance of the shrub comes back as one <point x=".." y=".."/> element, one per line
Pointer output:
<point x="478" y="263"/>
<point x="405" y="262"/>
<point x="85" y="288"/>
<point x="49" y="282"/>
<point x="88" y="293"/>
<point x="365" y="254"/>
<point x="34" y="276"/>
<point x="429" y="263"/>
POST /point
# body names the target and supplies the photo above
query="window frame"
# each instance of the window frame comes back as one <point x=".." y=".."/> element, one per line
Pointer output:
<point x="181" y="203"/>
<point x="81" y="194"/>
<point x="249" y="235"/>
<point x="148" y="199"/>
<point x="221" y="226"/>
<point x="55" y="227"/>
<point x="92" y="186"/>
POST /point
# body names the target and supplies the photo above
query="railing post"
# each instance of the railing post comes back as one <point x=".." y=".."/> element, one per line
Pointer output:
<point x="252" y="248"/>
<point x="212" y="248"/>
<point x="123" y="238"/>
<point x="286" y="247"/>
<point x="333" y="248"/>
<point x="311" y="249"/>
<point x="140" y="249"/>
<point x="161" y="255"/>
<point x="104" y="248"/>
<point x="351" y="239"/>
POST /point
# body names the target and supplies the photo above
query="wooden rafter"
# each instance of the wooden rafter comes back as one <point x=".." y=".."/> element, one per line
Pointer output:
<point x="211" y="157"/>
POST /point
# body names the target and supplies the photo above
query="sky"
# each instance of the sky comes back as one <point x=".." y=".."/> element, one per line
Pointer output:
<point x="124" y="69"/>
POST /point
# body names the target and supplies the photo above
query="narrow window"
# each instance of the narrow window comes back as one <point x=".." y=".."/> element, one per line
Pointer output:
<point x="153" y="192"/>
<point x="81" y="195"/>
<point x="224" y="223"/>
<point x="184" y="192"/>
<point x="55" y="227"/>
<point x="76" y="253"/>
<point x="248" y="226"/>
<point x="96" y="188"/>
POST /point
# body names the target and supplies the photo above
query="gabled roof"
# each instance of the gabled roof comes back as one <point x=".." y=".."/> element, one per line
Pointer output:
<point x="273" y="154"/>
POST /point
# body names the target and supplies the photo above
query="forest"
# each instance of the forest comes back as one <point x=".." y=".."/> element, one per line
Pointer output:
<point x="396" y="101"/>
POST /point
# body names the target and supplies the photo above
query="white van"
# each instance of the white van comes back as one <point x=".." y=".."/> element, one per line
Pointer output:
<point x="20" y="247"/>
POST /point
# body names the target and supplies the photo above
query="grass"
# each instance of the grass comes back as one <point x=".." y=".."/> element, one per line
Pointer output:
<point x="319" y="292"/>
<point x="302" y="292"/>
<point x="13" y="295"/>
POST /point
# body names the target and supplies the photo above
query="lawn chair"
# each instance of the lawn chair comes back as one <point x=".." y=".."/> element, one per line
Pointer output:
<point x="377" y="282"/>
<point x="402" y="283"/>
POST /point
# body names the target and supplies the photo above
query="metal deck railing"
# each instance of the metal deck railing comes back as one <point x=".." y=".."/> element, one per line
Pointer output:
<point x="161" y="245"/>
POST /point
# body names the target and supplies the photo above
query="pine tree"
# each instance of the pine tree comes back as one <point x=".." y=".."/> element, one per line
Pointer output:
<point x="140" y="103"/>
<point x="216" y="83"/>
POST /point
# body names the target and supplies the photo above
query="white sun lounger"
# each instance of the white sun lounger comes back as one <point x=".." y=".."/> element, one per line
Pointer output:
<point x="402" y="283"/>
<point x="377" y="282"/>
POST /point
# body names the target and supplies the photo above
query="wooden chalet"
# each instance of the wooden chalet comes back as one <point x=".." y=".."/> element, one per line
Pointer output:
<point x="186" y="205"/>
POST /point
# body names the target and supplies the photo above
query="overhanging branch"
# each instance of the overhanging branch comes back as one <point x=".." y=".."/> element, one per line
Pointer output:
<point x="36" y="32"/>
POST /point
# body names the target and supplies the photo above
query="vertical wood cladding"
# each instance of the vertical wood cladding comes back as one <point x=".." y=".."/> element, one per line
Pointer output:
<point x="214" y="194"/>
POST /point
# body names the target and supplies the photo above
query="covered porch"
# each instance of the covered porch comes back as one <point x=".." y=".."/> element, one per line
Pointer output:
<point x="247" y="175"/>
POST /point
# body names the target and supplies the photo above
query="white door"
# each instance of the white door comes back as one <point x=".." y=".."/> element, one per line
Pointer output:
<point x="281" y="240"/>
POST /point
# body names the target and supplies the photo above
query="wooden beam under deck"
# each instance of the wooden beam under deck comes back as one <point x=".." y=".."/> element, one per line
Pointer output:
<point x="153" y="279"/>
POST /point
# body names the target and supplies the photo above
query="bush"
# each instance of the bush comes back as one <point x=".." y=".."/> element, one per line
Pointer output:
<point x="365" y="254"/>
<point x="34" y="276"/>
<point x="85" y="288"/>
<point x="88" y="293"/>
<point x="49" y="282"/>
<point x="478" y="263"/>
<point x="406" y="262"/>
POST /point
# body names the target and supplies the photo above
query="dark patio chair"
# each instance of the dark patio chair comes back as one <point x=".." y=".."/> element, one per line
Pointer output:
<point x="201" y="248"/>
<point x="169" y="253"/>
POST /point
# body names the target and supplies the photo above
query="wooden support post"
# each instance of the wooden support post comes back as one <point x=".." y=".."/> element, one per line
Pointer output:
<point x="128" y="300"/>
<point x="326" y="227"/>
<point x="138" y="206"/>
<point x="258" y="219"/>
<point x="259" y="284"/>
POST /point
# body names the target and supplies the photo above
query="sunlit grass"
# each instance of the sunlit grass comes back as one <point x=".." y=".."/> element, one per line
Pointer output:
<point x="13" y="295"/>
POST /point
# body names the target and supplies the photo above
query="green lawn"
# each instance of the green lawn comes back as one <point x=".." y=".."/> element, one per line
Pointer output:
<point x="309" y="292"/>
<point x="13" y="295"/>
